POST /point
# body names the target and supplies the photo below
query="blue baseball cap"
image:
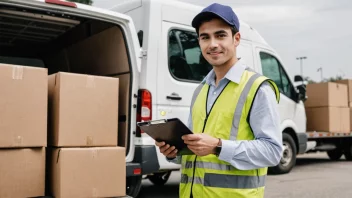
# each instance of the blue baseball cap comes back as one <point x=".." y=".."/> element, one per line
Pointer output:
<point x="224" y="12"/>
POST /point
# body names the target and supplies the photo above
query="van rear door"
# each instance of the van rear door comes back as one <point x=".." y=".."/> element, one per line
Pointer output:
<point x="55" y="7"/>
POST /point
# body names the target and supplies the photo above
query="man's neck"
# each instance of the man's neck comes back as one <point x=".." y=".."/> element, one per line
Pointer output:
<point x="221" y="71"/>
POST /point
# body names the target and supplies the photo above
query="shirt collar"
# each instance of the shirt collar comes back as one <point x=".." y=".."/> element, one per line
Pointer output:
<point x="234" y="74"/>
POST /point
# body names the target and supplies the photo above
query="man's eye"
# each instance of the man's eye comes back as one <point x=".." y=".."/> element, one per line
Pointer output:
<point x="222" y="35"/>
<point x="204" y="38"/>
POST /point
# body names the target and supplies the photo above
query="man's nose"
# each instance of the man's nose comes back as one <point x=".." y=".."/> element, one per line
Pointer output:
<point x="213" y="43"/>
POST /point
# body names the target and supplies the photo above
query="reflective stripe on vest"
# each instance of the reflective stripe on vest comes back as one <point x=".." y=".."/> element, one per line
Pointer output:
<point x="227" y="181"/>
<point x="240" y="104"/>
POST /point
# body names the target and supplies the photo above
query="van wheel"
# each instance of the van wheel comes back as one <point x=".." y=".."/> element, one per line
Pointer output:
<point x="159" y="179"/>
<point x="288" y="159"/>
<point x="335" y="154"/>
<point x="133" y="185"/>
<point x="348" y="152"/>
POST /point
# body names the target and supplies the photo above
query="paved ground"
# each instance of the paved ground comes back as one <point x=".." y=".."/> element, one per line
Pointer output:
<point x="315" y="176"/>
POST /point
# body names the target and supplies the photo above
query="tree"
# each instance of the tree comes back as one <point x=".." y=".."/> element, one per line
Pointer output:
<point x="333" y="79"/>
<point x="310" y="81"/>
<point x="88" y="2"/>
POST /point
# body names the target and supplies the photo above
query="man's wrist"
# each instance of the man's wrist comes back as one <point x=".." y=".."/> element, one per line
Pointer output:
<point x="217" y="148"/>
<point x="219" y="142"/>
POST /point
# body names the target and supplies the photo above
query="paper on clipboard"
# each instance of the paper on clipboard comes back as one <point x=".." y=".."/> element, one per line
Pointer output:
<point x="168" y="130"/>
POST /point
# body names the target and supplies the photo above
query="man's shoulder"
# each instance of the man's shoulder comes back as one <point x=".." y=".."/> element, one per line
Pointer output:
<point x="266" y="90"/>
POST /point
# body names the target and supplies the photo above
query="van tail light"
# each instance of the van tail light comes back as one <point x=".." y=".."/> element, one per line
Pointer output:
<point x="61" y="2"/>
<point x="144" y="108"/>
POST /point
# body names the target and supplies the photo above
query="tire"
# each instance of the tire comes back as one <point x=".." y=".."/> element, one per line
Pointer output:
<point x="335" y="154"/>
<point x="348" y="152"/>
<point x="159" y="179"/>
<point x="133" y="185"/>
<point x="288" y="159"/>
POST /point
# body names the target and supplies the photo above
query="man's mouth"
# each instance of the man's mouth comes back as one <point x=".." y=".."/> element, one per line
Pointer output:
<point x="214" y="53"/>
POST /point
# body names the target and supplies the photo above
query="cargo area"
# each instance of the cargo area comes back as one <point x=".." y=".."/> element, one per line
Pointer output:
<point x="64" y="111"/>
<point x="63" y="43"/>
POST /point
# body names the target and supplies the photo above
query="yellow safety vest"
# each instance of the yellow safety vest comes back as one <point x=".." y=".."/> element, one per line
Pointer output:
<point x="208" y="176"/>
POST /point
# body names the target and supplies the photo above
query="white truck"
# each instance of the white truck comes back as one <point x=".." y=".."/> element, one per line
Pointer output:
<point x="174" y="66"/>
<point x="151" y="47"/>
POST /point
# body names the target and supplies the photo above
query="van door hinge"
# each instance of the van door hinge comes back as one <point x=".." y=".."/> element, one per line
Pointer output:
<point x="143" y="54"/>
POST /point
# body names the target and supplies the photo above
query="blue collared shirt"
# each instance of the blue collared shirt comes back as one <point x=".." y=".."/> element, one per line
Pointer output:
<point x="266" y="149"/>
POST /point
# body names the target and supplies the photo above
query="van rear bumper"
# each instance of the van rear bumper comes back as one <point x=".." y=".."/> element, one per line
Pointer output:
<point x="145" y="157"/>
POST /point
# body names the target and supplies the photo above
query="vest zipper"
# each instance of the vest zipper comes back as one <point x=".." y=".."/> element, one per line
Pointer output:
<point x="195" y="159"/>
<point x="205" y="122"/>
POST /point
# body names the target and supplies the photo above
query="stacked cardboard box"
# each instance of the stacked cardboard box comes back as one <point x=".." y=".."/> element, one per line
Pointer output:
<point x="84" y="160"/>
<point x="327" y="108"/>
<point x="348" y="82"/>
<point x="79" y="126"/>
<point x="23" y="130"/>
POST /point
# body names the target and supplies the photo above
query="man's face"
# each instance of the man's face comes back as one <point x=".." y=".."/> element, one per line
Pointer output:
<point x="217" y="43"/>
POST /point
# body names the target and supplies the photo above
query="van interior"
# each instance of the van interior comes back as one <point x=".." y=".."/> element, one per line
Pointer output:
<point x="60" y="42"/>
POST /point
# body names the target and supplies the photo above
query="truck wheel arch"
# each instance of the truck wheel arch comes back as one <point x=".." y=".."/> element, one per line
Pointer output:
<point x="293" y="134"/>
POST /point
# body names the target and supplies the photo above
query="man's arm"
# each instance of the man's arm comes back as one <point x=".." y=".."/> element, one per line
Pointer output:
<point x="266" y="149"/>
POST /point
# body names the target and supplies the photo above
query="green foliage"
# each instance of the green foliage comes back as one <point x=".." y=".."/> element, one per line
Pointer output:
<point x="333" y="79"/>
<point x="309" y="80"/>
<point x="88" y="2"/>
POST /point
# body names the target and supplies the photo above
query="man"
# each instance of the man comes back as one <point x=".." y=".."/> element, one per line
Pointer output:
<point x="233" y="116"/>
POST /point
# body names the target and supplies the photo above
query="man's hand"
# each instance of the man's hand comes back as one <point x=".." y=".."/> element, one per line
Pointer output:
<point x="201" y="144"/>
<point x="166" y="149"/>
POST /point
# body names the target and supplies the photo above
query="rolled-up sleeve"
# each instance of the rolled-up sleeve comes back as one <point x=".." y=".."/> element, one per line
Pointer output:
<point x="266" y="149"/>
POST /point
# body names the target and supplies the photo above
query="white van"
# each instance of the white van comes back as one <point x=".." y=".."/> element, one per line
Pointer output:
<point x="151" y="47"/>
<point x="172" y="67"/>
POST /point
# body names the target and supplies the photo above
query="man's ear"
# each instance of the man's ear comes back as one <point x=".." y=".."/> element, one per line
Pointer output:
<point x="237" y="39"/>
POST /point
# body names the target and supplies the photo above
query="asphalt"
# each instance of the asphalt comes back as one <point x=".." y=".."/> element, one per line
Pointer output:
<point x="314" y="176"/>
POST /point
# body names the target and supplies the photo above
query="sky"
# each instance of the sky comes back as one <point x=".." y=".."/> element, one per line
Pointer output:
<point x="317" y="29"/>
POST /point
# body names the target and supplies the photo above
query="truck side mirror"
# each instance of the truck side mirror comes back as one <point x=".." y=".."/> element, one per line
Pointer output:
<point x="302" y="92"/>
<point x="298" y="78"/>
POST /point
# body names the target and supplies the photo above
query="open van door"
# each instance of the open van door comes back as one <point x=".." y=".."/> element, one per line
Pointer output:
<point x="76" y="38"/>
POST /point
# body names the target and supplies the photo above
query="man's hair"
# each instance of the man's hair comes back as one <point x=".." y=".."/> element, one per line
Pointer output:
<point x="209" y="18"/>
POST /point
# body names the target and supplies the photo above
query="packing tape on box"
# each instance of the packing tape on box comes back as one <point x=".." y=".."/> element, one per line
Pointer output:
<point x="89" y="140"/>
<point x="94" y="153"/>
<point x="94" y="192"/>
<point x="18" y="140"/>
<point x="17" y="72"/>
<point x="90" y="82"/>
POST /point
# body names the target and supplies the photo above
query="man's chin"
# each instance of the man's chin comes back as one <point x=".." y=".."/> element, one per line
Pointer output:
<point x="216" y="63"/>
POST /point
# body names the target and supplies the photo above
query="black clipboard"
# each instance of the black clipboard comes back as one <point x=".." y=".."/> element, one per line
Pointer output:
<point x="169" y="131"/>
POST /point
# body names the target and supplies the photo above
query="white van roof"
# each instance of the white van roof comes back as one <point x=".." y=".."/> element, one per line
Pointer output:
<point x="183" y="13"/>
<point x="80" y="8"/>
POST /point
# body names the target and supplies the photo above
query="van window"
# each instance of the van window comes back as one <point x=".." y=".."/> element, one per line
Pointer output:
<point x="272" y="69"/>
<point x="186" y="62"/>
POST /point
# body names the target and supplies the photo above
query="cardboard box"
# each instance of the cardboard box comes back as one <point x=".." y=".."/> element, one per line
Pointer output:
<point x="349" y="88"/>
<point x="88" y="172"/>
<point x="104" y="54"/>
<point x="83" y="110"/>
<point x="350" y="118"/>
<point x="326" y="94"/>
<point x="124" y="96"/>
<point x="22" y="172"/>
<point x="23" y="106"/>
<point x="328" y="119"/>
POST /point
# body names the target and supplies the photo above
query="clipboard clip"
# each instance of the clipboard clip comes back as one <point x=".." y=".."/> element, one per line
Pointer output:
<point x="157" y="121"/>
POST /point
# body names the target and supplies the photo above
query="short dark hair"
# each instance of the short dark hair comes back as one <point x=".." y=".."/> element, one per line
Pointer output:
<point x="211" y="17"/>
